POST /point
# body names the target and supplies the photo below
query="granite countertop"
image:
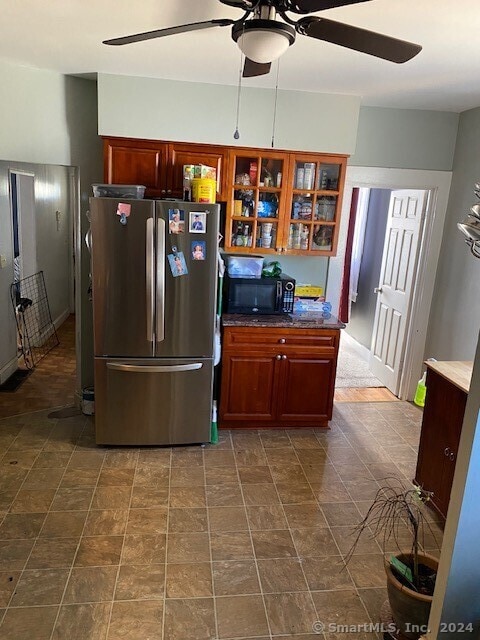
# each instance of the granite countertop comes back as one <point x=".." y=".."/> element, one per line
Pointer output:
<point x="305" y="320"/>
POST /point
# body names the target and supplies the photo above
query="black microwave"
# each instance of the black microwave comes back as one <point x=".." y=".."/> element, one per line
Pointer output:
<point x="259" y="295"/>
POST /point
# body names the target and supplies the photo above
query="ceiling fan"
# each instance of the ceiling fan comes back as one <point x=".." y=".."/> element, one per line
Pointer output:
<point x="263" y="38"/>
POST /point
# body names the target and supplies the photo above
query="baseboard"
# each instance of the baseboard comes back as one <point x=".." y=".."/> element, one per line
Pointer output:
<point x="61" y="318"/>
<point x="8" y="370"/>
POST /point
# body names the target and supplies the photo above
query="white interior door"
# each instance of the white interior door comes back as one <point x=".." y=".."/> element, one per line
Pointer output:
<point x="405" y="217"/>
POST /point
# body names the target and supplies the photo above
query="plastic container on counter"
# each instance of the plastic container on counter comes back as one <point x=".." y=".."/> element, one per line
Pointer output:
<point x="127" y="191"/>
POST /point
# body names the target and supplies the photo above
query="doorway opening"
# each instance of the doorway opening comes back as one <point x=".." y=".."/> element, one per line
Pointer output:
<point x="383" y="254"/>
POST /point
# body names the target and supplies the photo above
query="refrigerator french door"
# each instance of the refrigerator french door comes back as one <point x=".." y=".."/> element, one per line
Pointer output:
<point x="154" y="299"/>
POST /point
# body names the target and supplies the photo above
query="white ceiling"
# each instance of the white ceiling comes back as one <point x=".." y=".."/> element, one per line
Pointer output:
<point x="66" y="36"/>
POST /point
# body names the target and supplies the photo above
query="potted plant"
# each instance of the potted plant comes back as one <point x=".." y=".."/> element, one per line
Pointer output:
<point x="411" y="573"/>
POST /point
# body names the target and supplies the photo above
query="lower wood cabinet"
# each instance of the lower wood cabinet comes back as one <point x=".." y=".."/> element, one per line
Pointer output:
<point x="440" y="435"/>
<point x="278" y="377"/>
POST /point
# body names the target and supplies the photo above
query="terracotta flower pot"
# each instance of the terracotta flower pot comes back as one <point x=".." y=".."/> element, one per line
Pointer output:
<point x="410" y="609"/>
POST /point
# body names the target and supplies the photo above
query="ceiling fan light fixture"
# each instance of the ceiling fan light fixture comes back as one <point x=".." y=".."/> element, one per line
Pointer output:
<point x="263" y="40"/>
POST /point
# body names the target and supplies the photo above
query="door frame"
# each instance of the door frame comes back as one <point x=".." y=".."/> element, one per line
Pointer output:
<point x="438" y="184"/>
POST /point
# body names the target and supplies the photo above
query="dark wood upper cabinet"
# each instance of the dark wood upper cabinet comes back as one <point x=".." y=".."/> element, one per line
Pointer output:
<point x="181" y="154"/>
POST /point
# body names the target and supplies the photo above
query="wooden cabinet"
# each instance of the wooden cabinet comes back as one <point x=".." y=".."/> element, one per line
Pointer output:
<point x="159" y="165"/>
<point x="274" y="377"/>
<point x="281" y="202"/>
<point x="440" y="435"/>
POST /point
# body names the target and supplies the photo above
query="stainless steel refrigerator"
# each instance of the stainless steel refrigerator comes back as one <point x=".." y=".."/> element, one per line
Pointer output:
<point x="154" y="273"/>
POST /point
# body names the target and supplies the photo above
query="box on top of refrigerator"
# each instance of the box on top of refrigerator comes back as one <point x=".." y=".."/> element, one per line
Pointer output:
<point x="204" y="171"/>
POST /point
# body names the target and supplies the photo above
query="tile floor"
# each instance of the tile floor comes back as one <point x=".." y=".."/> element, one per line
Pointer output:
<point x="245" y="539"/>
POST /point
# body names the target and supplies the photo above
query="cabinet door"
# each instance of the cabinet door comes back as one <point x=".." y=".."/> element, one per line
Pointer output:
<point x="249" y="384"/>
<point x="312" y="219"/>
<point x="306" y="388"/>
<point x="136" y="162"/>
<point x="181" y="154"/>
<point x="255" y="201"/>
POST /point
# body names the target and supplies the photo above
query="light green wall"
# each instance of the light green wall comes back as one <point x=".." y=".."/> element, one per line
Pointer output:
<point x="405" y="139"/>
<point x="455" y="316"/>
<point x="199" y="112"/>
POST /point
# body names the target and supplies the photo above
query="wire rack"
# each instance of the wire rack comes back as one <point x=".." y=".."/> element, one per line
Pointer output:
<point x="36" y="331"/>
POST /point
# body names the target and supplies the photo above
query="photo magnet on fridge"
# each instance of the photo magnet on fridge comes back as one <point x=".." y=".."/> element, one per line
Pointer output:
<point x="176" y="221"/>
<point x="199" y="249"/>
<point x="177" y="263"/>
<point x="198" y="222"/>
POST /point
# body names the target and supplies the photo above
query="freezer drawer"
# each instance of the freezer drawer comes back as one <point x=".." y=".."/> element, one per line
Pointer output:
<point x="153" y="402"/>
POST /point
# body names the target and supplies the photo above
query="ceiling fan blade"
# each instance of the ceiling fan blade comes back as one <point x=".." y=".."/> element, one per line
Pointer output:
<point x="252" y="69"/>
<point x="345" y="35"/>
<point x="310" y="6"/>
<point x="169" y="31"/>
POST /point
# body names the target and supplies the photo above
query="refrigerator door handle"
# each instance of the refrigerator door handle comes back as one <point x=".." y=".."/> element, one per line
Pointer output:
<point x="160" y="328"/>
<point x="150" y="277"/>
<point x="133" y="368"/>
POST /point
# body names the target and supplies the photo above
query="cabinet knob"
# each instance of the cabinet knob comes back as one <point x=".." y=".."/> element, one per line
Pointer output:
<point x="284" y="357"/>
<point x="163" y="191"/>
<point x="447" y="451"/>
<point x="279" y="357"/>
<point x="169" y="191"/>
<point x="452" y="456"/>
<point x="282" y="341"/>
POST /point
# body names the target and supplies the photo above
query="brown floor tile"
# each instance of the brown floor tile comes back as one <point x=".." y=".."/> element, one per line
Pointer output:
<point x="80" y="478"/>
<point x="20" y="459"/>
<point x="250" y="458"/>
<point x="322" y="475"/>
<point x="43" y="479"/>
<point x="111" y="498"/>
<point x="345" y="537"/>
<point x="290" y="613"/>
<point x="99" y="551"/>
<point x="140" y="582"/>
<point x="241" y="616"/>
<point x="227" y="519"/>
<point x="28" y="623"/>
<point x="147" y="521"/>
<point x="255" y="475"/>
<point x="275" y="440"/>
<point x="79" y="621"/>
<point x="51" y="460"/>
<point x="330" y="492"/>
<point x="326" y="574"/>
<point x="63" y="524"/>
<point x="137" y="620"/>
<point x="55" y="553"/>
<point x="187" y="497"/>
<point x="188" y="547"/>
<point x="72" y="499"/>
<point x="86" y="460"/>
<point x="367" y="570"/>
<point x="373" y="599"/>
<point x="116" y="477"/>
<point x="122" y="459"/>
<point x="40" y="587"/>
<point x="149" y="497"/>
<point x="313" y="457"/>
<point x="220" y="475"/>
<point x="224" y="495"/>
<point x="189" y="580"/>
<point x="8" y="582"/>
<point x="341" y="513"/>
<point x="235" y="577"/>
<point x="151" y="476"/>
<point x="187" y="520"/>
<point x="157" y="457"/>
<point x="295" y="493"/>
<point x="315" y="542"/>
<point x="191" y="619"/>
<point x="281" y="575"/>
<point x="144" y="549"/>
<point x="187" y="477"/>
<point x="14" y="554"/>
<point x="340" y="607"/>
<point x="289" y="473"/>
<point x="280" y="457"/>
<point x="273" y="544"/>
<point x="231" y="545"/>
<point x="302" y="516"/>
<point x="218" y="458"/>
<point x="260" y="494"/>
<point x="305" y="442"/>
<point x="33" y="501"/>
<point x="21" y="525"/>
<point x="111" y="522"/>
<point x="91" y="584"/>
<point x="187" y="457"/>
<point x="266" y="517"/>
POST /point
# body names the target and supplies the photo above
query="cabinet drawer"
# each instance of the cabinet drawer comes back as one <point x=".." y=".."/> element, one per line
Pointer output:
<point x="266" y="338"/>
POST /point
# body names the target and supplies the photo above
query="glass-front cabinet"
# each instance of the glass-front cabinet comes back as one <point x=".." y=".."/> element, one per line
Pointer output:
<point x="255" y="207"/>
<point x="283" y="202"/>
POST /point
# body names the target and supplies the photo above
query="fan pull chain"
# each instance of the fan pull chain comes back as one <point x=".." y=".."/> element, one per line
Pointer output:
<point x="236" y="134"/>
<point x="275" y="105"/>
